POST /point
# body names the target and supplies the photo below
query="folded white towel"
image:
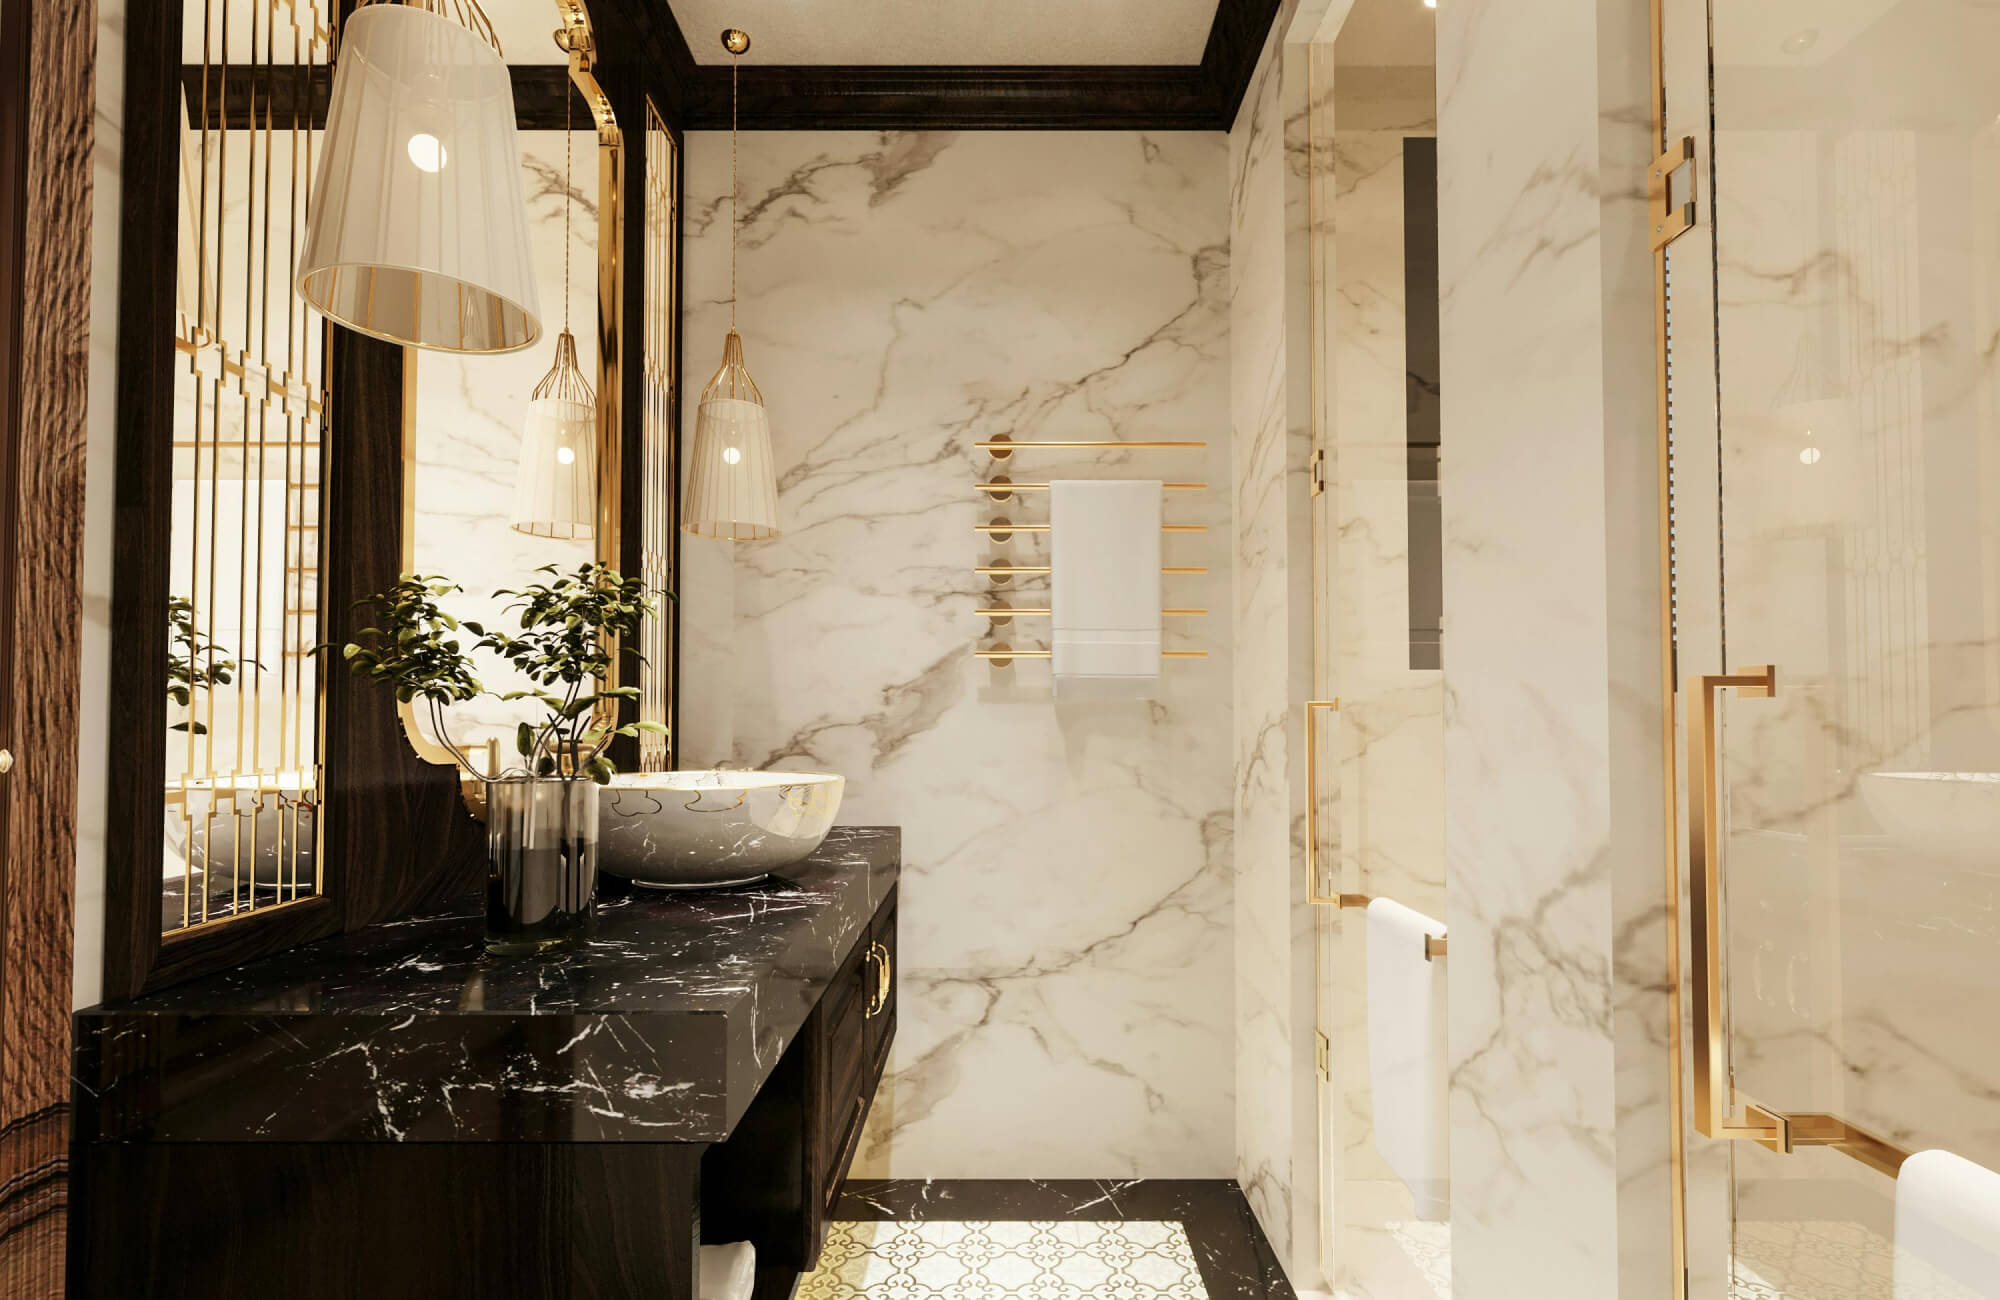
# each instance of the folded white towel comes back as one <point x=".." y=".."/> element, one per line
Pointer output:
<point x="1104" y="556"/>
<point x="1947" y="1229"/>
<point x="728" y="1272"/>
<point x="1406" y="1054"/>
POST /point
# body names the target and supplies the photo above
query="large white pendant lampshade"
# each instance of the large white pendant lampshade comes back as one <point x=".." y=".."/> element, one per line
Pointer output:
<point x="732" y="485"/>
<point x="418" y="230"/>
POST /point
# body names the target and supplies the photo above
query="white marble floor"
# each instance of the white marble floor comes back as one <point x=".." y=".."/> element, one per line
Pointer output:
<point x="1140" y="1260"/>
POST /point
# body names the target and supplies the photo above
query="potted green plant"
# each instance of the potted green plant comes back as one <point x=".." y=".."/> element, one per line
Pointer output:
<point x="541" y="814"/>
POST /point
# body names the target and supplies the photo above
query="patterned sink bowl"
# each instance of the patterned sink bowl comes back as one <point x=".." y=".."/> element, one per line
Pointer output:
<point x="704" y="830"/>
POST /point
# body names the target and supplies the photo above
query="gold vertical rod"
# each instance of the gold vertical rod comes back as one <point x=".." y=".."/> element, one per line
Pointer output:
<point x="1676" y="1103"/>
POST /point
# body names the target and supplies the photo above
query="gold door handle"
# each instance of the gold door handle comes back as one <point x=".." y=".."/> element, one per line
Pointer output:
<point x="1312" y="807"/>
<point x="1714" y="1094"/>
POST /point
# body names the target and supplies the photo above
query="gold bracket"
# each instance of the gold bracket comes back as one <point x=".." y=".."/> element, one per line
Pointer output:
<point x="1670" y="193"/>
<point x="1322" y="1055"/>
<point x="1435" y="946"/>
<point x="1312" y="806"/>
<point x="1318" y="471"/>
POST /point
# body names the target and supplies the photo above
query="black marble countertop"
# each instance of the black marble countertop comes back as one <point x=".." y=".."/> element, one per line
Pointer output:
<point x="660" y="1029"/>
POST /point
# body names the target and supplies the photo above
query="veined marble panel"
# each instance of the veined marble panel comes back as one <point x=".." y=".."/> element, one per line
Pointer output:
<point x="1277" y="1093"/>
<point x="1066" y="908"/>
<point x="1551" y="656"/>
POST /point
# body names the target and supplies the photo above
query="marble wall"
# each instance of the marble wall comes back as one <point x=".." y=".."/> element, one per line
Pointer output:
<point x="1065" y="974"/>
<point x="1551" y="656"/>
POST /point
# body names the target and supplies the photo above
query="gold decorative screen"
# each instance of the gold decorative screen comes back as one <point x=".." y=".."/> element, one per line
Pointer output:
<point x="657" y="468"/>
<point x="243" y="746"/>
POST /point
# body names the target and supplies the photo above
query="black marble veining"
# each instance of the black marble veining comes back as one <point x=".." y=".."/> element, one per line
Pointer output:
<point x="660" y="1029"/>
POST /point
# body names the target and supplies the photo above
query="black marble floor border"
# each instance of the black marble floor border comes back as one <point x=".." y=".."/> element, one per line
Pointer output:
<point x="1236" y="1262"/>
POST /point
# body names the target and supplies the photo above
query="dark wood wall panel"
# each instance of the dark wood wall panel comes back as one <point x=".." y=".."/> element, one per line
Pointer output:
<point x="395" y="825"/>
<point x="47" y="54"/>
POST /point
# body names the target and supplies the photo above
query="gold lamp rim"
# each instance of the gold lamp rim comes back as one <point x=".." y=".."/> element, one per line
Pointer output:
<point x="735" y="40"/>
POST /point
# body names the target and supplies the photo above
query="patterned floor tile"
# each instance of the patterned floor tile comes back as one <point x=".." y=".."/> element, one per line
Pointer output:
<point x="942" y="1260"/>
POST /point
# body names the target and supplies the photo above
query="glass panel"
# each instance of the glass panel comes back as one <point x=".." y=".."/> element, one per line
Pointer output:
<point x="1857" y="224"/>
<point x="659" y="527"/>
<point x="242" y="696"/>
<point x="1381" y="791"/>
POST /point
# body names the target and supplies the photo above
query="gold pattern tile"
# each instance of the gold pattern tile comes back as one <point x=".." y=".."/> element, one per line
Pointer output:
<point x="1005" y="1261"/>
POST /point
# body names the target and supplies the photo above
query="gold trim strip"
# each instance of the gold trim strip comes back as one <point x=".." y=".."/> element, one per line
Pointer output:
<point x="1005" y="529"/>
<point x="1043" y="568"/>
<point x="1049" y="654"/>
<point x="1002" y="489"/>
<point x="1313" y="895"/>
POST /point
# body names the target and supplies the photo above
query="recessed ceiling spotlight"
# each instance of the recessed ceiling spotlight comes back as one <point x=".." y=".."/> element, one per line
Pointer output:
<point x="1800" y="42"/>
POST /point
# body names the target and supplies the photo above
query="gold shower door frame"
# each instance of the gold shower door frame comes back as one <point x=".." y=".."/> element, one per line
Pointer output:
<point x="1829" y="436"/>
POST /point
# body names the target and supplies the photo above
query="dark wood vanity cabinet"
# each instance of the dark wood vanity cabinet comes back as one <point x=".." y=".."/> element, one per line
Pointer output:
<point x="393" y="1114"/>
<point x="777" y="1179"/>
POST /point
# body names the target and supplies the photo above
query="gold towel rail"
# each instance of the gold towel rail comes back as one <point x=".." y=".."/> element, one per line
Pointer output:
<point x="1003" y="529"/>
<point x="1435" y="945"/>
<point x="1043" y="568"/>
<point x="1008" y="652"/>
<point x="1001" y="487"/>
<point x="1002" y="611"/>
<point x="1001" y="447"/>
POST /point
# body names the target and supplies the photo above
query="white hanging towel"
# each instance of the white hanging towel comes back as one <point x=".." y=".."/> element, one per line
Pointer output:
<point x="728" y="1272"/>
<point x="1406" y="1054"/>
<point x="1947" y="1229"/>
<point x="1104" y="557"/>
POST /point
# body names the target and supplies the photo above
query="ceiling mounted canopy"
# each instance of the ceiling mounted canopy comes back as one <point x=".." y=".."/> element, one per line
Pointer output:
<point x="418" y="230"/>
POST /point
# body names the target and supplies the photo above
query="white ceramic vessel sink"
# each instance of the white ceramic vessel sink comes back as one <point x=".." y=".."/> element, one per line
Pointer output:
<point x="704" y="830"/>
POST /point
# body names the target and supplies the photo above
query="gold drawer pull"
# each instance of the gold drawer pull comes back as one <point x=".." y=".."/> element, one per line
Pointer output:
<point x="878" y="997"/>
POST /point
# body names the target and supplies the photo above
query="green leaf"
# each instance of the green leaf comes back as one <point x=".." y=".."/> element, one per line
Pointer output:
<point x="524" y="740"/>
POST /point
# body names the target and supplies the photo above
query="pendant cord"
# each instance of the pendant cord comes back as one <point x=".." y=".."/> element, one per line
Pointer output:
<point x="734" y="186"/>
<point x="569" y="190"/>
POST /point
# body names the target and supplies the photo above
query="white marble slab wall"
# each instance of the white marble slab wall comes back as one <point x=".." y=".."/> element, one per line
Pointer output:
<point x="1065" y="968"/>
<point x="1554" y="852"/>
<point x="1277" y="1094"/>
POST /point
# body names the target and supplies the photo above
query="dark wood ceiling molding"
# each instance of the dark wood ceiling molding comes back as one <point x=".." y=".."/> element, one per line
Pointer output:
<point x="804" y="97"/>
<point x="812" y="97"/>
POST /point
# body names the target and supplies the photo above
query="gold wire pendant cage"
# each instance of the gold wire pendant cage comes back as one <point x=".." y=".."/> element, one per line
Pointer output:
<point x="732" y="486"/>
<point x="555" y="493"/>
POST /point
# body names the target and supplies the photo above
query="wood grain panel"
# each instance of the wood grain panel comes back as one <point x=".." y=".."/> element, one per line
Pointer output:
<point x="395" y="825"/>
<point x="47" y="49"/>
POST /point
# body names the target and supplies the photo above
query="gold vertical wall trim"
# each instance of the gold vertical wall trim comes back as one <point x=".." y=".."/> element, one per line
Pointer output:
<point x="1663" y="430"/>
<point x="1312" y="804"/>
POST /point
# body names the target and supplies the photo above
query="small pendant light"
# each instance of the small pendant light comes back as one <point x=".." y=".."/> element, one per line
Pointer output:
<point x="732" y="489"/>
<point x="418" y="228"/>
<point x="555" y="489"/>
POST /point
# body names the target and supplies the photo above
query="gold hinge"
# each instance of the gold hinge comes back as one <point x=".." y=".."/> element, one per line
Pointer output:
<point x="1319" y="471"/>
<point x="1671" y="215"/>
<point x="1322" y="1055"/>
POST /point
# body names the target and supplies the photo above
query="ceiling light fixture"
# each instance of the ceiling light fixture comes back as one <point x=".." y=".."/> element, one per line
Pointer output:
<point x="555" y="488"/>
<point x="418" y="229"/>
<point x="732" y="490"/>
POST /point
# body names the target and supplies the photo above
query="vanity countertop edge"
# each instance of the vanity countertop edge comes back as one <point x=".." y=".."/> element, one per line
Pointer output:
<point x="661" y="1028"/>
